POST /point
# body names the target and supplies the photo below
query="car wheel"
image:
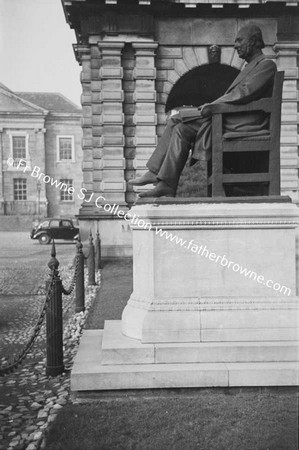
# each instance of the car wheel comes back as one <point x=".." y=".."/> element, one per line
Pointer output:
<point x="44" y="239"/>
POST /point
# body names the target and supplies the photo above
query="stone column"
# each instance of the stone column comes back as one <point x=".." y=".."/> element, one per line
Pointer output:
<point x="108" y="124"/>
<point x="287" y="54"/>
<point x="84" y="57"/>
<point x="145" y="118"/>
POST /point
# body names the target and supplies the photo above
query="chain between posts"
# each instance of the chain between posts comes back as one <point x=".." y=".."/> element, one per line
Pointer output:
<point x="68" y="291"/>
<point x="4" y="370"/>
<point x="77" y="282"/>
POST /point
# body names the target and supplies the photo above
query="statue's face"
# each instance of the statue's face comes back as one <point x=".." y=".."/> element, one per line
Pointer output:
<point x="244" y="44"/>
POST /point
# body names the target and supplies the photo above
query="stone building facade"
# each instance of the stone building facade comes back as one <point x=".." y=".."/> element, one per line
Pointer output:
<point x="43" y="131"/>
<point x="139" y="59"/>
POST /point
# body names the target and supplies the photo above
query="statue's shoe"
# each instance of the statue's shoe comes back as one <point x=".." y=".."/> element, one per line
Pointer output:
<point x="148" y="178"/>
<point x="161" y="190"/>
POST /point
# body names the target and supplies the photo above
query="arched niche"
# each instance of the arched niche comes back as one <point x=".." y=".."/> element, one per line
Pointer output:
<point x="200" y="85"/>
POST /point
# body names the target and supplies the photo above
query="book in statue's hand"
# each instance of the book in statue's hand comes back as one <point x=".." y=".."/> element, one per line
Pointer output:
<point x="187" y="114"/>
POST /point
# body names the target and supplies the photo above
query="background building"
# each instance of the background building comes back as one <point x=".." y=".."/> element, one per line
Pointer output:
<point x="140" y="58"/>
<point x="44" y="130"/>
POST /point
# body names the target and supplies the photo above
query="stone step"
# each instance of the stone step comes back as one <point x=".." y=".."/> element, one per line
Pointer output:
<point x="89" y="374"/>
<point x="119" y="349"/>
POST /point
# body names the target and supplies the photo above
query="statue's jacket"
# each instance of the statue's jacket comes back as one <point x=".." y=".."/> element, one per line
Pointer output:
<point x="252" y="83"/>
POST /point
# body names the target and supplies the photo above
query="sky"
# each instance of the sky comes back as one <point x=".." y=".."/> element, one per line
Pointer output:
<point x="36" y="53"/>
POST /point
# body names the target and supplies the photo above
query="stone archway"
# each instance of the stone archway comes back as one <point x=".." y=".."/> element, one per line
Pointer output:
<point x="201" y="85"/>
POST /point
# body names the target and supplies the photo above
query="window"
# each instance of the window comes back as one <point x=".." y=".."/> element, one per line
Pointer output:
<point x="65" y="146"/>
<point x="45" y="224"/>
<point x="54" y="223"/>
<point x="19" y="149"/>
<point x="20" y="189"/>
<point x="65" y="192"/>
<point x="66" y="224"/>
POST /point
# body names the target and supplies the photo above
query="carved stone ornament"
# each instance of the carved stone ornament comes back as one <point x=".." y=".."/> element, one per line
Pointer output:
<point x="214" y="53"/>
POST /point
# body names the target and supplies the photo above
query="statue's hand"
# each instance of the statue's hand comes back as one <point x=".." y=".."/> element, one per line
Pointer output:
<point x="205" y="110"/>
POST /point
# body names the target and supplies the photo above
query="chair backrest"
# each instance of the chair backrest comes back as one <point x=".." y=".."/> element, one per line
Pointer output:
<point x="237" y="143"/>
<point x="275" y="119"/>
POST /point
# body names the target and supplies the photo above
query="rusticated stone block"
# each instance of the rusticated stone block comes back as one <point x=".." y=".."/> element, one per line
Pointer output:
<point x="95" y="52"/>
<point x="162" y="75"/>
<point x="111" y="96"/>
<point x="86" y="121"/>
<point x="111" y="72"/>
<point x="115" y="174"/>
<point x="87" y="176"/>
<point x="113" y="118"/>
<point x="97" y="153"/>
<point x="113" y="129"/>
<point x="86" y="99"/>
<point x="112" y="152"/>
<point x="114" y="163"/>
<point x="129" y="108"/>
<point x="87" y="165"/>
<point x="97" y="131"/>
<point x="129" y="85"/>
<point x="97" y="109"/>
<point x="112" y="108"/>
<point x="165" y="64"/>
<point x="150" y="119"/>
<point x="145" y="140"/>
<point x="96" y="85"/>
<point x="130" y="141"/>
<point x="190" y="57"/>
<point x="97" y="141"/>
<point x="113" y="140"/>
<point x="97" y="173"/>
<point x="146" y="73"/>
<point x="145" y="130"/>
<point x="129" y="120"/>
<point x="87" y="142"/>
<point x="86" y="110"/>
<point x="130" y="131"/>
<point x="88" y="154"/>
<point x="145" y="85"/>
<point x="144" y="96"/>
<point x="113" y="185"/>
<point x="169" y="52"/>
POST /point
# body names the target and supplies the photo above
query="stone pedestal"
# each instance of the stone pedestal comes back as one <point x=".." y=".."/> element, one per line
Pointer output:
<point x="214" y="301"/>
<point x="213" y="272"/>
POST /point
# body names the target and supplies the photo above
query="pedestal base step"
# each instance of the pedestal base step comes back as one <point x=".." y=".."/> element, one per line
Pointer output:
<point x="109" y="361"/>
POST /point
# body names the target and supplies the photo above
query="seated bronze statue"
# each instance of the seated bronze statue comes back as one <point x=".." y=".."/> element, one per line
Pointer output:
<point x="190" y="128"/>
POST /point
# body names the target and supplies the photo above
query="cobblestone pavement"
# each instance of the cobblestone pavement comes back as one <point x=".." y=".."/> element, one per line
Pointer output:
<point x="29" y="401"/>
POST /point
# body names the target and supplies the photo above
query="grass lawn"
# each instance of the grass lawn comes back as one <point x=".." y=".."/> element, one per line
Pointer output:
<point x="207" y="419"/>
<point x="181" y="419"/>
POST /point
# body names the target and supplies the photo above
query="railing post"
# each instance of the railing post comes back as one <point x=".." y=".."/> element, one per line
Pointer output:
<point x="54" y="329"/>
<point x="91" y="262"/>
<point x="98" y="255"/>
<point x="80" y="295"/>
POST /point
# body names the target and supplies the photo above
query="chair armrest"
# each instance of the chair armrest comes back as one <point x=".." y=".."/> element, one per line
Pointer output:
<point x="265" y="104"/>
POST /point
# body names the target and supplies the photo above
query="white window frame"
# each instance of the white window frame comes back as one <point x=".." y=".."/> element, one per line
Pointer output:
<point x="58" y="148"/>
<point x="62" y="191"/>
<point x="26" y="190"/>
<point x="24" y="134"/>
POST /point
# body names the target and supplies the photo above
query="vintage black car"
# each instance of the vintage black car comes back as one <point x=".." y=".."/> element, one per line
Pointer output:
<point x="55" y="228"/>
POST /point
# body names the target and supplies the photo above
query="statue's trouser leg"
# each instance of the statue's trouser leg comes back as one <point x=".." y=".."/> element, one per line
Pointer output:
<point x="171" y="154"/>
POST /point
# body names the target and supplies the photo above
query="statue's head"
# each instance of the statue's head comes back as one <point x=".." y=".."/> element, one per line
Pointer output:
<point x="249" y="41"/>
<point x="214" y="53"/>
